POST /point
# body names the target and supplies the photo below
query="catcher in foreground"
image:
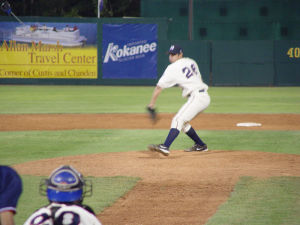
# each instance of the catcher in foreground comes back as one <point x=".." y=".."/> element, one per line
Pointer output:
<point x="65" y="189"/>
<point x="185" y="73"/>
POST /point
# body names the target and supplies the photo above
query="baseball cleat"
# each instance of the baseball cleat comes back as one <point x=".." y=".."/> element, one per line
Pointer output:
<point x="160" y="148"/>
<point x="197" y="147"/>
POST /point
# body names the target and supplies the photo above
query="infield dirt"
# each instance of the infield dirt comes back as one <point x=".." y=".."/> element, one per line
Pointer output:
<point x="184" y="188"/>
<point x="18" y="122"/>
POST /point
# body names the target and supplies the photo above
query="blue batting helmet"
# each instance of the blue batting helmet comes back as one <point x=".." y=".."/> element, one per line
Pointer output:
<point x="65" y="184"/>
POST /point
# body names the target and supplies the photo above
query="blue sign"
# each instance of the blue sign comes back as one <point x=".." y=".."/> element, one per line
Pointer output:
<point x="129" y="51"/>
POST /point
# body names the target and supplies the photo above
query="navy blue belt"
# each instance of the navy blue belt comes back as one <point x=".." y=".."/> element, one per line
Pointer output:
<point x="202" y="90"/>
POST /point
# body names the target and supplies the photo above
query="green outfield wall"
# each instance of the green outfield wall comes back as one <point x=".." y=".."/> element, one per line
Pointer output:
<point x="222" y="62"/>
<point x="228" y="19"/>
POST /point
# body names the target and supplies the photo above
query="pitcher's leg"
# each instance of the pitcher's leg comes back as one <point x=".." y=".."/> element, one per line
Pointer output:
<point x="173" y="133"/>
<point x="189" y="130"/>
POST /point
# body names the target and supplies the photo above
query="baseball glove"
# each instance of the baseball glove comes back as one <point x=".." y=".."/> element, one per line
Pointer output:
<point x="152" y="114"/>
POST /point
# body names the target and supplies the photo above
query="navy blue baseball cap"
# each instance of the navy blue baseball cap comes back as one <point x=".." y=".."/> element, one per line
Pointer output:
<point x="175" y="49"/>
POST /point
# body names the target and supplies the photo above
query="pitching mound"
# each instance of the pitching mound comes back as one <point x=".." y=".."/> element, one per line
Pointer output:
<point x="184" y="188"/>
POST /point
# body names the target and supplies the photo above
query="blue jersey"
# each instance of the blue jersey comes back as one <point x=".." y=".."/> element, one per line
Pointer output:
<point x="10" y="189"/>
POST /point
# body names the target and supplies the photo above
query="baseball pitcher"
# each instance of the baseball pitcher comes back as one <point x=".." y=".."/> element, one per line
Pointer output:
<point x="185" y="73"/>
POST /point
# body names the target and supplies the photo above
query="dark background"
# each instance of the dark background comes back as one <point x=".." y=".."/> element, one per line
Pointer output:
<point x="75" y="8"/>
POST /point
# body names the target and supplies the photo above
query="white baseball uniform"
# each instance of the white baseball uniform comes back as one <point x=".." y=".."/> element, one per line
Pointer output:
<point x="185" y="73"/>
<point x="62" y="214"/>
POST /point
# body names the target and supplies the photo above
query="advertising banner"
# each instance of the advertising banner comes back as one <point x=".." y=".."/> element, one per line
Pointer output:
<point x="48" y="50"/>
<point x="129" y="51"/>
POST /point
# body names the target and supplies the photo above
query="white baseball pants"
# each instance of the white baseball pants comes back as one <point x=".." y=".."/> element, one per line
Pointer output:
<point x="196" y="103"/>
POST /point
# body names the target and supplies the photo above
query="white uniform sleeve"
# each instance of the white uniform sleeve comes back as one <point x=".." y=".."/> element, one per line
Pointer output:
<point x="167" y="79"/>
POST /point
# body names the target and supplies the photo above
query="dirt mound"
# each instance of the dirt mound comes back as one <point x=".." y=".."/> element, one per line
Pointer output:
<point x="184" y="188"/>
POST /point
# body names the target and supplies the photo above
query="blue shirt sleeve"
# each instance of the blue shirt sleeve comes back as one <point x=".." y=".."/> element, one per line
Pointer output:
<point x="10" y="189"/>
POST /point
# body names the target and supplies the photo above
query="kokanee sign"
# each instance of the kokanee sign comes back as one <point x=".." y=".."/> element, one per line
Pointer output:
<point x="115" y="53"/>
<point x="129" y="51"/>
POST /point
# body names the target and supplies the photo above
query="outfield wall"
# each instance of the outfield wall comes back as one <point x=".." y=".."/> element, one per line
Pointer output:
<point x="228" y="19"/>
<point x="221" y="62"/>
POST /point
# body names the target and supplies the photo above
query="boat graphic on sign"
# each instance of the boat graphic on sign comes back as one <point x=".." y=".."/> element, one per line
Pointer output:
<point x="68" y="36"/>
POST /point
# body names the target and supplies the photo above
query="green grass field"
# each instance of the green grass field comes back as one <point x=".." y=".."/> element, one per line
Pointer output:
<point x="107" y="99"/>
<point x="261" y="201"/>
<point x="270" y="201"/>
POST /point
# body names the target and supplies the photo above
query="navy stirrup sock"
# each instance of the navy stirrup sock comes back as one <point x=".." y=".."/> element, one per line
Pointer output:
<point x="194" y="136"/>
<point x="173" y="133"/>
